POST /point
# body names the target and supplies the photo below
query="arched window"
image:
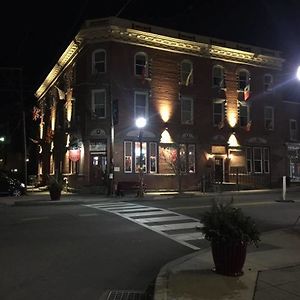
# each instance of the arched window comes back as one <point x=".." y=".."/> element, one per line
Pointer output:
<point x="186" y="71"/>
<point x="218" y="79"/>
<point x="141" y="64"/>
<point x="99" y="61"/>
<point x="243" y="79"/>
<point x="268" y="82"/>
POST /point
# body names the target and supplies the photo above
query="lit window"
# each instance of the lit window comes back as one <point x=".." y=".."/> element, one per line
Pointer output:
<point x="153" y="157"/>
<point x="140" y="162"/>
<point x="187" y="110"/>
<point x="127" y="157"/>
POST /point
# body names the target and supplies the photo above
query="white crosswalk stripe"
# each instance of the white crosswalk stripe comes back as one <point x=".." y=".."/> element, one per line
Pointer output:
<point x="182" y="229"/>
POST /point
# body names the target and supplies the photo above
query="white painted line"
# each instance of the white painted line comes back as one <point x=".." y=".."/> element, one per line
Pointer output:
<point x="188" y="236"/>
<point x="108" y="204"/>
<point x="177" y="226"/>
<point x="124" y="210"/>
<point x="34" y="219"/>
<point x="163" y="219"/>
<point x="150" y="213"/>
<point x="131" y="208"/>
<point x="88" y="215"/>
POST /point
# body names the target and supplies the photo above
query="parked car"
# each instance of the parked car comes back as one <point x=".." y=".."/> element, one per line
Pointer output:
<point x="10" y="186"/>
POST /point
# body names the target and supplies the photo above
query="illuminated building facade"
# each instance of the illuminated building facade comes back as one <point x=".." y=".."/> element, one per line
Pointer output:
<point x="213" y="113"/>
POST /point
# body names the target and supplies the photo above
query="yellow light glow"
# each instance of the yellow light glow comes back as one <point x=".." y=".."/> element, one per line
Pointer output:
<point x="165" y="113"/>
<point x="208" y="155"/>
<point x="232" y="117"/>
<point x="68" y="141"/>
<point x="53" y="114"/>
<point x="232" y="141"/>
<point x="165" y="137"/>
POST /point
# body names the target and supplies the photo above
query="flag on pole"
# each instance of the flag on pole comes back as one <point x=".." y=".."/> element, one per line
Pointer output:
<point x="61" y="94"/>
<point x="247" y="92"/>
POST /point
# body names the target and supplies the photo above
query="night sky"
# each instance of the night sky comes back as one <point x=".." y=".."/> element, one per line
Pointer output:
<point x="35" y="35"/>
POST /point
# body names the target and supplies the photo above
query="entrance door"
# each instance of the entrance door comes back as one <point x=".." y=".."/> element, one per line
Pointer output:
<point x="219" y="169"/>
<point x="98" y="169"/>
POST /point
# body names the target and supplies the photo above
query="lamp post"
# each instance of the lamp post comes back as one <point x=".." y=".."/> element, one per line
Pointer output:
<point x="141" y="123"/>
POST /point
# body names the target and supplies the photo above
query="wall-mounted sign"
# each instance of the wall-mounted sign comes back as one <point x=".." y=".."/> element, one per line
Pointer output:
<point x="218" y="150"/>
<point x="74" y="154"/>
<point x="237" y="159"/>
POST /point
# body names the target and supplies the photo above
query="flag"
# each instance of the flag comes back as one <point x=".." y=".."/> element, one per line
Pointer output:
<point x="247" y="92"/>
<point x="189" y="77"/>
<point x="61" y="94"/>
<point x="221" y="124"/>
<point x="248" y="126"/>
<point x="36" y="113"/>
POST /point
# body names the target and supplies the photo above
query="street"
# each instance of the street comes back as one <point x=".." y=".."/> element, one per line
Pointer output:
<point x="84" y="251"/>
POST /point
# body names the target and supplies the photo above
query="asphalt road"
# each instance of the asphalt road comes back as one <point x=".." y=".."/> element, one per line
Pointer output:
<point x="82" y="252"/>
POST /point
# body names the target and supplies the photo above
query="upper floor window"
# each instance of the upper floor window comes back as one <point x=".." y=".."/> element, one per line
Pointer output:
<point x="218" y="79"/>
<point x="293" y="130"/>
<point x="141" y="64"/>
<point x="269" y="118"/>
<point x="268" y="82"/>
<point x="244" y="114"/>
<point x="218" y="113"/>
<point x="99" y="61"/>
<point x="186" y="72"/>
<point x="140" y="104"/>
<point x="99" y="104"/>
<point x="187" y="110"/>
<point x="243" y="79"/>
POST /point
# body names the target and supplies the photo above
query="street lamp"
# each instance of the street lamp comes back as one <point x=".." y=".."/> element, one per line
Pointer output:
<point x="298" y="73"/>
<point x="141" y="123"/>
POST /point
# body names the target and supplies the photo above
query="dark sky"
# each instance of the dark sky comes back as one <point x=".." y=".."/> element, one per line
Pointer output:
<point x="35" y="35"/>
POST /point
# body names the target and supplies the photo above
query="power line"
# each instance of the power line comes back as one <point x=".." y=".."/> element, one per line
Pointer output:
<point x="122" y="8"/>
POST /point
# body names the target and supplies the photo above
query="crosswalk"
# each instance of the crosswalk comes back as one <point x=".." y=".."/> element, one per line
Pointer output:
<point x="180" y="228"/>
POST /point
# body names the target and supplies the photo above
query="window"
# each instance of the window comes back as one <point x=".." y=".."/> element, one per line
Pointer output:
<point x="244" y="114"/>
<point x="140" y="162"/>
<point x="257" y="160"/>
<point x="99" y="104"/>
<point x="127" y="157"/>
<point x="186" y="72"/>
<point x="168" y="163"/>
<point x="243" y="79"/>
<point x="293" y="130"/>
<point x="99" y="61"/>
<point x="269" y="118"/>
<point x="153" y="157"/>
<point x="218" y="79"/>
<point x="268" y="82"/>
<point x="266" y="160"/>
<point x="133" y="157"/>
<point x="187" y="110"/>
<point x="218" y="112"/>
<point x="140" y="64"/>
<point x="140" y="104"/>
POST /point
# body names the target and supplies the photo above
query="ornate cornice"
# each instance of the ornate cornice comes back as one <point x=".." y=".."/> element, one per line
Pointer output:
<point x="119" y="30"/>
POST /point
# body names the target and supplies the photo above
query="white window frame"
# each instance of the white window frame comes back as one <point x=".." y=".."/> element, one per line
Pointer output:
<point x="222" y="102"/>
<point x="136" y="115"/>
<point x="187" y="78"/>
<point x="153" y="156"/>
<point x="268" y="84"/>
<point x="137" y="156"/>
<point x="244" y="105"/>
<point x="136" y="65"/>
<point x="242" y="83"/>
<point x="293" y="132"/>
<point x="218" y="76"/>
<point x="94" y="62"/>
<point x="266" y="160"/>
<point x="94" y="92"/>
<point x="190" y="113"/>
<point x="259" y="160"/>
<point x="268" y="120"/>
<point x="128" y="156"/>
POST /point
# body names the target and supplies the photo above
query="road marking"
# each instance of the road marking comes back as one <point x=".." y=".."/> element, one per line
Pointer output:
<point x="88" y="215"/>
<point x="143" y="215"/>
<point x="34" y="219"/>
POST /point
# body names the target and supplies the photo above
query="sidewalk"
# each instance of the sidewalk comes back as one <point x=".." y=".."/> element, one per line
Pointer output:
<point x="271" y="271"/>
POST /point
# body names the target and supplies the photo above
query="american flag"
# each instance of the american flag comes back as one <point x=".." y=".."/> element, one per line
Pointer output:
<point x="36" y="113"/>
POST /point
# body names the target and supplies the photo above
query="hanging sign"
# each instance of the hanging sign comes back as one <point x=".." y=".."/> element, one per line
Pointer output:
<point x="74" y="154"/>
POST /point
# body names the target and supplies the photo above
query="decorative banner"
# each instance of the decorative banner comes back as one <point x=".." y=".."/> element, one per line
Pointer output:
<point x="74" y="154"/>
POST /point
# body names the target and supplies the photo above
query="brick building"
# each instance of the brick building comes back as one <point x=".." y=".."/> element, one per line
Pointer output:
<point x="213" y="110"/>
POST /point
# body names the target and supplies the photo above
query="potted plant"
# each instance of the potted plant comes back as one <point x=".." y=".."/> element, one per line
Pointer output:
<point x="55" y="186"/>
<point x="230" y="231"/>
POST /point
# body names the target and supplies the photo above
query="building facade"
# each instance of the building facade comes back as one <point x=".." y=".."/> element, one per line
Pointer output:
<point x="213" y="111"/>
